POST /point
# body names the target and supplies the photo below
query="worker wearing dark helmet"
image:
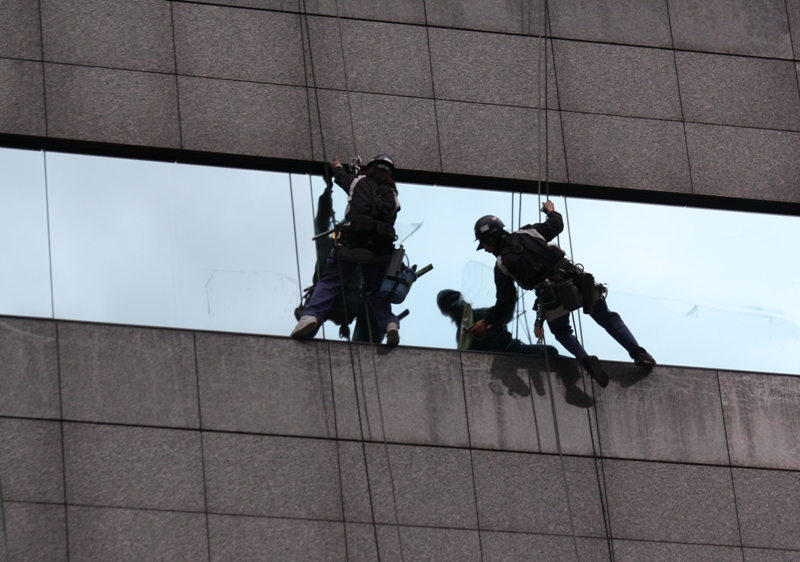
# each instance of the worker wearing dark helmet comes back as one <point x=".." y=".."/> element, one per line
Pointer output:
<point x="367" y="239"/>
<point x="526" y="257"/>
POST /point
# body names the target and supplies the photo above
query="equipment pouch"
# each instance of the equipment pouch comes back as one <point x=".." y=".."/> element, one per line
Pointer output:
<point x="548" y="297"/>
<point x="568" y="294"/>
<point x="362" y="225"/>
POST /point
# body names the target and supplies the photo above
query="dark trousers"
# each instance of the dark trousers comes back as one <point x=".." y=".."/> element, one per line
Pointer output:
<point x="338" y="272"/>
<point x="610" y="321"/>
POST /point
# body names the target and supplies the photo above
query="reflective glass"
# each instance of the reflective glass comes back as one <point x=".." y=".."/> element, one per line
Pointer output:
<point x="696" y="287"/>
<point x="435" y="226"/>
<point x="171" y="245"/>
<point x="24" y="255"/>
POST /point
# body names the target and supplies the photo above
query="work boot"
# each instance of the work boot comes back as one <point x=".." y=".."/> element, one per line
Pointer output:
<point x="643" y="359"/>
<point x="592" y="364"/>
<point x="306" y="328"/>
<point x="392" y="334"/>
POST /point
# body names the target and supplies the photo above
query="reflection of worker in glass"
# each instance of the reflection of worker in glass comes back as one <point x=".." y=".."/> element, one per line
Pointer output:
<point x="350" y="306"/>
<point x="561" y="286"/>
<point x="495" y="338"/>
<point x="366" y="240"/>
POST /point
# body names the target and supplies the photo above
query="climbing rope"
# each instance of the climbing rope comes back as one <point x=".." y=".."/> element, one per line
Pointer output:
<point x="356" y="377"/>
<point x="543" y="150"/>
<point x="4" y="526"/>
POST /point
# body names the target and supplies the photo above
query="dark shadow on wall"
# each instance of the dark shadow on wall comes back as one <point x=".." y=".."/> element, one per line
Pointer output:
<point x="506" y="379"/>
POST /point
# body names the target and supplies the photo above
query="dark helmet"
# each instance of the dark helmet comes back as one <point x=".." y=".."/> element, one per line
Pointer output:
<point x="382" y="161"/>
<point x="486" y="227"/>
<point x="449" y="299"/>
<point x="451" y="303"/>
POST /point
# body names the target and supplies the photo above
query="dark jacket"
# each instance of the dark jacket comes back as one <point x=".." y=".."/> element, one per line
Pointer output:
<point x="371" y="212"/>
<point x="525" y="257"/>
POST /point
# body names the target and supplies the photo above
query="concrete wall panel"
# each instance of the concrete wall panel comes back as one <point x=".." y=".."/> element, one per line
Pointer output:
<point x="630" y="153"/>
<point x="129" y="34"/>
<point x="767" y="506"/>
<point x="22" y="98"/>
<point x="793" y="10"/>
<point x="508" y="16"/>
<point x="746" y="163"/>
<point x="401" y="126"/>
<point x="99" y="534"/>
<point x="757" y="555"/>
<point x="275" y="476"/>
<point x="20" y="29"/>
<point x="749" y="92"/>
<point x="244" y="118"/>
<point x="283" y="5"/>
<point x="117" y="106"/>
<point x="634" y="551"/>
<point x="400" y="11"/>
<point x="31" y="467"/>
<point x="421" y="396"/>
<point x="631" y="22"/>
<point x="488" y="68"/>
<point x="251" y="45"/>
<point x="115" y="466"/>
<point x="259" y="538"/>
<point x="671" y="502"/>
<point x="762" y="419"/>
<point x="378" y="58"/>
<point x="616" y="80"/>
<point x="738" y="27"/>
<point x="449" y="545"/>
<point x="470" y="136"/>
<point x="361" y="542"/>
<point x="567" y="419"/>
<point x="29" y="372"/>
<point x="278" y="385"/>
<point x="36" y="531"/>
<point x="500" y="410"/>
<point x="433" y="486"/>
<point x="500" y="547"/>
<point x="672" y="415"/>
<point x="128" y="375"/>
<point x="521" y="492"/>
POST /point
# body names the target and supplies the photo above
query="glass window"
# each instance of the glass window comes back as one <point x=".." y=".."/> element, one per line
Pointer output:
<point x="172" y="245"/>
<point x="24" y="258"/>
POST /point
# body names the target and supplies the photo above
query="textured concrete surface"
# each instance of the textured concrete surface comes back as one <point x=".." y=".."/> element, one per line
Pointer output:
<point x="401" y="11"/>
<point x="744" y="162"/>
<point x="617" y="80"/>
<point x="128" y="375"/>
<point x="468" y="137"/>
<point x="731" y="26"/>
<point x="36" y="531"/>
<point x="682" y="420"/>
<point x="631" y="22"/>
<point x="22" y="97"/>
<point x="766" y="501"/>
<point x="29" y="368"/>
<point x="97" y="534"/>
<point x="276" y="476"/>
<point x="31" y="465"/>
<point x="748" y="92"/>
<point x="20" y="29"/>
<point x="251" y="45"/>
<point x="135" y="467"/>
<point x="485" y="68"/>
<point x="244" y="118"/>
<point x="90" y="103"/>
<point x="635" y="153"/>
<point x="468" y="471"/>
<point x="633" y="551"/>
<point x="278" y="386"/>
<point x="695" y="503"/>
<point x="134" y="35"/>
<point x="762" y="419"/>
<point x="509" y="16"/>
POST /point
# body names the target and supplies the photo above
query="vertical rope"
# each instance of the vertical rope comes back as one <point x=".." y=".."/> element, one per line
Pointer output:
<point x="3" y="524"/>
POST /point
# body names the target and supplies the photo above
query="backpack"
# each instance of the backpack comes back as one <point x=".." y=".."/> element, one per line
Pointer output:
<point x="371" y="214"/>
<point x="528" y="258"/>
